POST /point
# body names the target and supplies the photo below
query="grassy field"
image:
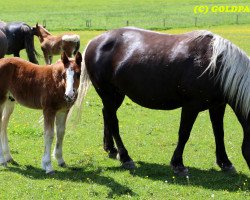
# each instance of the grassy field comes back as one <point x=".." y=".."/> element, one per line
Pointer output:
<point x="149" y="135"/>
<point x="157" y="14"/>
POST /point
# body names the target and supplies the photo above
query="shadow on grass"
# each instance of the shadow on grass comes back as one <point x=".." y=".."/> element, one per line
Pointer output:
<point x="209" y="179"/>
<point x="76" y="175"/>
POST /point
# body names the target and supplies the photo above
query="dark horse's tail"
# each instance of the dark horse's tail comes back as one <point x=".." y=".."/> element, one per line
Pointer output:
<point x="29" y="43"/>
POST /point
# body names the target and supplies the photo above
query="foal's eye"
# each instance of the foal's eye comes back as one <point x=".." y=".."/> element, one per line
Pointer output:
<point x="77" y="75"/>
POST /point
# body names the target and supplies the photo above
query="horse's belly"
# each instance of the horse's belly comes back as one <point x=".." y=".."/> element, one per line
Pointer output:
<point x="152" y="103"/>
<point x="27" y="102"/>
<point x="154" y="96"/>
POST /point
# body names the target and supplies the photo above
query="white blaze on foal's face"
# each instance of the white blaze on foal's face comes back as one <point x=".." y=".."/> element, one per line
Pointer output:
<point x="69" y="92"/>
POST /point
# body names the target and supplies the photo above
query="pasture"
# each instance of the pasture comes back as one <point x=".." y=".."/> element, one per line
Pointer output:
<point x="99" y="15"/>
<point x="149" y="135"/>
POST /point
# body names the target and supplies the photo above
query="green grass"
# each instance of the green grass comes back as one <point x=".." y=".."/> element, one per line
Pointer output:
<point x="157" y="14"/>
<point x="150" y="137"/>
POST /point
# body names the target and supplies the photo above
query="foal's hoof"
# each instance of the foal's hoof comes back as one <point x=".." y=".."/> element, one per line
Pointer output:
<point x="13" y="162"/>
<point x="129" y="165"/>
<point x="50" y="173"/>
<point x="180" y="170"/>
<point x="62" y="165"/>
<point x="229" y="169"/>
<point x="3" y="164"/>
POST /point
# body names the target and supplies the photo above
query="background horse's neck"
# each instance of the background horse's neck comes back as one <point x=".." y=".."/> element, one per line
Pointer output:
<point x="44" y="33"/>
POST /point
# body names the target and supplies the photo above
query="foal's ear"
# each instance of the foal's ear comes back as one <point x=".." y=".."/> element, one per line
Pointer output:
<point x="37" y="25"/>
<point x="64" y="59"/>
<point x="78" y="58"/>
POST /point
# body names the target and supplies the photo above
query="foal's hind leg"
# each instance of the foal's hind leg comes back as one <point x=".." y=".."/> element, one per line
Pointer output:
<point x="7" y="111"/>
<point x="216" y="116"/>
<point x="111" y="102"/>
<point x="60" y="131"/>
<point x="188" y="117"/>
<point x="2" y="159"/>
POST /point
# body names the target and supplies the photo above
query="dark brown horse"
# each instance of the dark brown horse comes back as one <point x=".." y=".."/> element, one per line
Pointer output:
<point x="3" y="44"/>
<point x="20" y="36"/>
<point x="196" y="71"/>
<point x="52" y="89"/>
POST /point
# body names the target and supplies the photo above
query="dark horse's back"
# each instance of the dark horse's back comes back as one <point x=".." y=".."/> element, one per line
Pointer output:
<point x="155" y="70"/>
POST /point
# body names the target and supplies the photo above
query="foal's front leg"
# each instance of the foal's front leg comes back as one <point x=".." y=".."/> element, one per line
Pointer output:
<point x="49" y="119"/>
<point x="60" y="131"/>
<point x="47" y="57"/>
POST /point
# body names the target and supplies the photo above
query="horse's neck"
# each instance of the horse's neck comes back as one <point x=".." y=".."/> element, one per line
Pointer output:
<point x="44" y="34"/>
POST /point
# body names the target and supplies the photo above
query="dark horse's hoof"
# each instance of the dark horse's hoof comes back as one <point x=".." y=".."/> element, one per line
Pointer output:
<point x="180" y="170"/>
<point x="229" y="169"/>
<point x="112" y="155"/>
<point x="129" y="165"/>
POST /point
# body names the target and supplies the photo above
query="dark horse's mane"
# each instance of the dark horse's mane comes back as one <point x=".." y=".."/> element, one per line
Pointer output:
<point x="20" y="36"/>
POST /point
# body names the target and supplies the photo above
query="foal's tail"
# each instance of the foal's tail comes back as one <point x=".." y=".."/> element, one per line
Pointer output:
<point x="82" y="90"/>
<point x="29" y="43"/>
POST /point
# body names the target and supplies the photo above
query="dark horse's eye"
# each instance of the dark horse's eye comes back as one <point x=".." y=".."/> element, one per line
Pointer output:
<point x="77" y="75"/>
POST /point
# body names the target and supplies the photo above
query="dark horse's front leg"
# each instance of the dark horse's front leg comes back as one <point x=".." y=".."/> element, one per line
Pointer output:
<point x="17" y="54"/>
<point x="216" y="116"/>
<point x="111" y="102"/>
<point x="188" y="117"/>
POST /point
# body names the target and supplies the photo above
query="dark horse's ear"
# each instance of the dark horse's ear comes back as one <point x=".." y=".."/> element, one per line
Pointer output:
<point x="64" y="59"/>
<point x="78" y="58"/>
<point x="37" y="25"/>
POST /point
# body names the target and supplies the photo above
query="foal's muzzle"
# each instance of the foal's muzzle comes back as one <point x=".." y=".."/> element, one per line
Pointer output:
<point x="71" y="98"/>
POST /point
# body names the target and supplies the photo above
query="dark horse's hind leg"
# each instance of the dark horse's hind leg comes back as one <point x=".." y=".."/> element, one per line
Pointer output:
<point x="246" y="139"/>
<point x="111" y="102"/>
<point x="216" y="116"/>
<point x="188" y="117"/>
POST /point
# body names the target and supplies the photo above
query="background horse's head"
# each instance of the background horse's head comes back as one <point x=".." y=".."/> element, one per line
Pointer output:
<point x="71" y="74"/>
<point x="40" y="31"/>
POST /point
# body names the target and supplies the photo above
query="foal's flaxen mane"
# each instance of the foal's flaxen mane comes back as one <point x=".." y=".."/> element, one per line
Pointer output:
<point x="234" y="73"/>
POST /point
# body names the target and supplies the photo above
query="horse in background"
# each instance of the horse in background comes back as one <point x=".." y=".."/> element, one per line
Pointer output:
<point x="196" y="71"/>
<point x="20" y="36"/>
<point x="54" y="45"/>
<point x="52" y="89"/>
<point x="3" y="44"/>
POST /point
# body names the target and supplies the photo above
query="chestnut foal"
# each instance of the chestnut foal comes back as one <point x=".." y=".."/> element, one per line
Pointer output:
<point x="52" y="89"/>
